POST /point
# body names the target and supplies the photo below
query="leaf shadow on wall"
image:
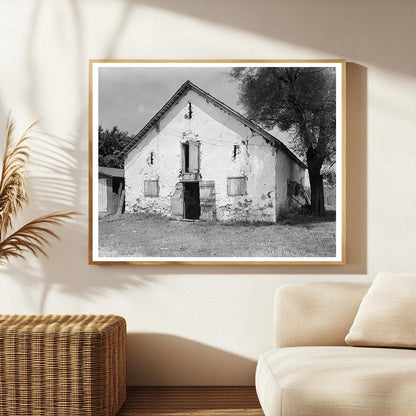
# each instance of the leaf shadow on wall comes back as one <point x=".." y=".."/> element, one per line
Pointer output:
<point x="59" y="181"/>
<point x="164" y="359"/>
<point x="358" y="28"/>
<point x="54" y="157"/>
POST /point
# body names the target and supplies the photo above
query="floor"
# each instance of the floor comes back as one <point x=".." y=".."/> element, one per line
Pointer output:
<point x="195" y="401"/>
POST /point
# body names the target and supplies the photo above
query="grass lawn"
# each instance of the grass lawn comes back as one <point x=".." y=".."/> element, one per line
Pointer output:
<point x="141" y="235"/>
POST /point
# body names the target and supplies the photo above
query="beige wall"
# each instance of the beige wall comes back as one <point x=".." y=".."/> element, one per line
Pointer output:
<point x="205" y="325"/>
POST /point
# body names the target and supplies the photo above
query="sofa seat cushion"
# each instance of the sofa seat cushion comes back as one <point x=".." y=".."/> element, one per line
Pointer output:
<point x="337" y="381"/>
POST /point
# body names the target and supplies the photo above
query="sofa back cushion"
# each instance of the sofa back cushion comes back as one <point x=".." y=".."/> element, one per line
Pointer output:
<point x="315" y="313"/>
<point x="387" y="314"/>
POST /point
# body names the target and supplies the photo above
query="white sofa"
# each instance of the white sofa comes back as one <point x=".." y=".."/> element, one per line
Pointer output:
<point x="311" y="370"/>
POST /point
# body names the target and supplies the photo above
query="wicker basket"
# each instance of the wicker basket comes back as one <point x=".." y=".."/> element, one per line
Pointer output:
<point x="72" y="365"/>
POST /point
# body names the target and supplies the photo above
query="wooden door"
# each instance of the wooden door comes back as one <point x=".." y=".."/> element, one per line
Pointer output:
<point x="207" y="200"/>
<point x="176" y="201"/>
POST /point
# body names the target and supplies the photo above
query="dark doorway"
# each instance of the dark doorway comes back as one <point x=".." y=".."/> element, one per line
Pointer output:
<point x="191" y="200"/>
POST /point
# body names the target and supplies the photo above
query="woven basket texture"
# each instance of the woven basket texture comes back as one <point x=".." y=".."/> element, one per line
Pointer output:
<point x="62" y="365"/>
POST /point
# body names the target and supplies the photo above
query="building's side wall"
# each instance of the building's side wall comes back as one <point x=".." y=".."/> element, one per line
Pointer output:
<point x="286" y="169"/>
<point x="218" y="133"/>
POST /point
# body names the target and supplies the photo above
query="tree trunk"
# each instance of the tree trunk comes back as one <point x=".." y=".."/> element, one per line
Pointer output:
<point x="315" y="161"/>
<point x="317" y="193"/>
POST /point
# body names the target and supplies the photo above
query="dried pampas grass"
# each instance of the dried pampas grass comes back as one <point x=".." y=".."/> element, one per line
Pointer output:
<point x="34" y="236"/>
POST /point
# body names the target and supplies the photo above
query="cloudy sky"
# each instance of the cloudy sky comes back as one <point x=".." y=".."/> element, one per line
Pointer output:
<point x="130" y="97"/>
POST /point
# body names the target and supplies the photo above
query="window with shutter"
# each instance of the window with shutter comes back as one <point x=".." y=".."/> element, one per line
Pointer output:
<point x="193" y="157"/>
<point x="151" y="187"/>
<point x="236" y="186"/>
<point x="190" y="157"/>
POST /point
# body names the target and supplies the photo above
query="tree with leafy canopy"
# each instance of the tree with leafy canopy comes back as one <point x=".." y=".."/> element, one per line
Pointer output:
<point x="302" y="101"/>
<point x="110" y="145"/>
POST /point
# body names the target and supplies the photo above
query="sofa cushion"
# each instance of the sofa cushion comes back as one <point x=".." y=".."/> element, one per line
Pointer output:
<point x="387" y="314"/>
<point x="341" y="380"/>
<point x="315" y="314"/>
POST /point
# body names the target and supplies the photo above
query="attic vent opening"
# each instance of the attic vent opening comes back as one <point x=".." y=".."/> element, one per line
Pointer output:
<point x="188" y="115"/>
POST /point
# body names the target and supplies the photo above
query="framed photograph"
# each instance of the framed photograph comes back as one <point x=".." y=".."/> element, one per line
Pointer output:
<point x="217" y="162"/>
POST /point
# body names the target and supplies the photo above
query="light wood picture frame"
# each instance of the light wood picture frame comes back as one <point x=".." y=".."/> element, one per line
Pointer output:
<point x="217" y="162"/>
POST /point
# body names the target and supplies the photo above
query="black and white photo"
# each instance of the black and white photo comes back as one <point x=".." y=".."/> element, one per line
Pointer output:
<point x="217" y="162"/>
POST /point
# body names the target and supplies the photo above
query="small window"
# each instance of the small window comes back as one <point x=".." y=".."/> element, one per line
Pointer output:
<point x="151" y="187"/>
<point x="237" y="186"/>
<point x="236" y="151"/>
<point x="293" y="188"/>
<point x="152" y="158"/>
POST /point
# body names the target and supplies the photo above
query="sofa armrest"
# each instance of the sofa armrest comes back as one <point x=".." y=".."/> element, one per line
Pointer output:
<point x="315" y="313"/>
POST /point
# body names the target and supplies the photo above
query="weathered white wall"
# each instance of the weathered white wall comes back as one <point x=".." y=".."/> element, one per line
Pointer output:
<point x="217" y="133"/>
<point x="201" y="324"/>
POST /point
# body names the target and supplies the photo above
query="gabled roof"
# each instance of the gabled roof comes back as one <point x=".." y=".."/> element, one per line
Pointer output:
<point x="187" y="86"/>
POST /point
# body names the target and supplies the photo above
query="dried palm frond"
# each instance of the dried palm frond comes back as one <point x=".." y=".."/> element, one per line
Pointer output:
<point x="12" y="182"/>
<point x="33" y="236"/>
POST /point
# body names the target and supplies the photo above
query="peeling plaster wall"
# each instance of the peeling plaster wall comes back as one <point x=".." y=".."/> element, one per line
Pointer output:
<point x="217" y="133"/>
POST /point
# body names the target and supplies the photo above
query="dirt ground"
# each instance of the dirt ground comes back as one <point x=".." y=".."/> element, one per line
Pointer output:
<point x="140" y="235"/>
